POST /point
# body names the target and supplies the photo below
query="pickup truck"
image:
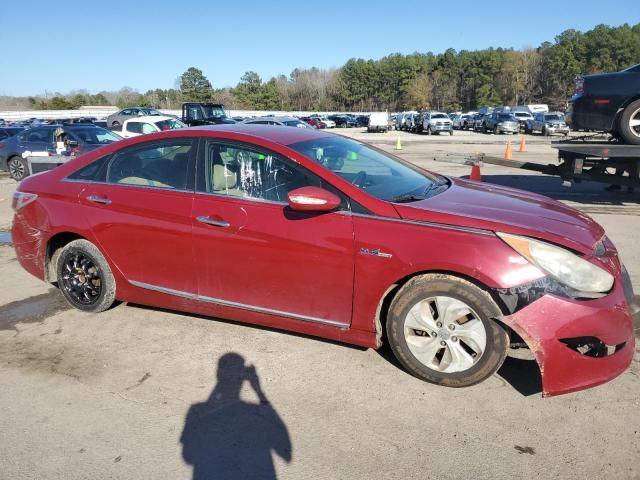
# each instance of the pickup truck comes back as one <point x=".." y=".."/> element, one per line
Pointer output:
<point x="198" y="113"/>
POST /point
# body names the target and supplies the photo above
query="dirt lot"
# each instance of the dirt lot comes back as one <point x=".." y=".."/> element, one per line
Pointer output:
<point x="120" y="395"/>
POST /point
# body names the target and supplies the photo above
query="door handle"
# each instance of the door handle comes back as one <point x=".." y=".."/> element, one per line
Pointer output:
<point x="215" y="223"/>
<point x="96" y="199"/>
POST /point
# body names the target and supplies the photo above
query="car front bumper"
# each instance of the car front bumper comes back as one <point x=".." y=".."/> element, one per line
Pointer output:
<point x="557" y="130"/>
<point x="441" y="128"/>
<point x="578" y="343"/>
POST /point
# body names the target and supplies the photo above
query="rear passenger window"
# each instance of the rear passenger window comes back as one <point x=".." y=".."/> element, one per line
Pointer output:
<point x="94" y="172"/>
<point x="160" y="164"/>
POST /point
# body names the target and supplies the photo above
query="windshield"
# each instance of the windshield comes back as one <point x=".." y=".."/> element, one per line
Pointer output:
<point x="438" y="115"/>
<point x="522" y="114"/>
<point x="94" y="135"/>
<point x="506" y="117"/>
<point x="213" y="111"/>
<point x="371" y="170"/>
<point x="549" y="118"/>
<point x="150" y="111"/>
<point x="170" y="124"/>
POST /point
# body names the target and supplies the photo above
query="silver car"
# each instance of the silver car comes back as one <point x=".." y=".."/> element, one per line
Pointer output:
<point x="116" y="120"/>
<point x="282" y="121"/>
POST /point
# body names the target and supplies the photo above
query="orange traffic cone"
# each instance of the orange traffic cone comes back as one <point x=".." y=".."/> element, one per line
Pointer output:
<point x="475" y="172"/>
<point x="523" y="145"/>
<point x="507" y="152"/>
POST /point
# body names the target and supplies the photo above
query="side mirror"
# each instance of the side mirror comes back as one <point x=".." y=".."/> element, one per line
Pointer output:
<point x="312" y="199"/>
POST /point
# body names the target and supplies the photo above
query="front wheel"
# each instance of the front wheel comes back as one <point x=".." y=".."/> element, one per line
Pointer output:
<point x="18" y="168"/>
<point x="441" y="329"/>
<point x="85" y="278"/>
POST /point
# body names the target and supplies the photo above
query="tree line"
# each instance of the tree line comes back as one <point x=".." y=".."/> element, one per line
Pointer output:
<point x="448" y="81"/>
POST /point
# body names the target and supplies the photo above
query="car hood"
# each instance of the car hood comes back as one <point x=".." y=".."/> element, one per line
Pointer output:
<point x="497" y="208"/>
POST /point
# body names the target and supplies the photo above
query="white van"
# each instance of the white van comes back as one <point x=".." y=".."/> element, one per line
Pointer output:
<point x="378" y="122"/>
<point x="532" y="109"/>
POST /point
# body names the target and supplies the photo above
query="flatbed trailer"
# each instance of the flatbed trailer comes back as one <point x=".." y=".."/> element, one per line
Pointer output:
<point x="585" y="159"/>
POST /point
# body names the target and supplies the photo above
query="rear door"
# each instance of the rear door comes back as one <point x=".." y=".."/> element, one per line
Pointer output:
<point x="253" y="252"/>
<point x="139" y="210"/>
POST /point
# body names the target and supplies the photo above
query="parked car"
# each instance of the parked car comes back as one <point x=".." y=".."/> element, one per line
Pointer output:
<point x="152" y="124"/>
<point x="523" y="119"/>
<point x="378" y="122"/>
<point x="363" y="120"/>
<point x="292" y="218"/>
<point x="437" y="122"/>
<point x="314" y="122"/>
<point x="195" y="114"/>
<point x="81" y="138"/>
<point x="608" y="102"/>
<point x="457" y="120"/>
<point x="344" y="121"/>
<point x="467" y="120"/>
<point x="115" y="120"/>
<point x="411" y="122"/>
<point x="401" y="119"/>
<point x="6" y="132"/>
<point x="281" y="121"/>
<point x="548" y="124"/>
<point x="479" y="121"/>
<point x="501" y="122"/>
<point x="326" y="121"/>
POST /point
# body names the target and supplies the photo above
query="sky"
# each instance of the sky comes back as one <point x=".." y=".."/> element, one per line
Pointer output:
<point x="71" y="45"/>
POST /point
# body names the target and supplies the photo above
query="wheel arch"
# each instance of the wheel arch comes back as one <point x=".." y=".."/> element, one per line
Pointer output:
<point x="390" y="293"/>
<point x="621" y="109"/>
<point x="55" y="244"/>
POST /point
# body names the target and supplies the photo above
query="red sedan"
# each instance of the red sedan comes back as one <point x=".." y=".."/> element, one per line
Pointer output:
<point x="315" y="233"/>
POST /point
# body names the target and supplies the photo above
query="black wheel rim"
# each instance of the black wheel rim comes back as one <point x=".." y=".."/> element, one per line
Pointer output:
<point x="16" y="169"/>
<point x="81" y="279"/>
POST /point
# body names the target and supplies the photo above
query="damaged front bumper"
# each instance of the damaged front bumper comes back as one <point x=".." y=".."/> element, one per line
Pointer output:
<point x="578" y="343"/>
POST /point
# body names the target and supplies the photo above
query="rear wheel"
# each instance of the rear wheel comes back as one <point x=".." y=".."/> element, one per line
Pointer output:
<point x="629" y="124"/>
<point x="441" y="329"/>
<point x="18" y="168"/>
<point x="85" y="278"/>
<point x="115" y="124"/>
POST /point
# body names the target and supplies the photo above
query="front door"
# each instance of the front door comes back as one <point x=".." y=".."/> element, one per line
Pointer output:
<point x="254" y="252"/>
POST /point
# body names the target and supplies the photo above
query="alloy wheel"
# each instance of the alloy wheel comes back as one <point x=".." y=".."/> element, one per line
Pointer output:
<point x="445" y="334"/>
<point x="634" y="123"/>
<point x="81" y="279"/>
<point x="16" y="168"/>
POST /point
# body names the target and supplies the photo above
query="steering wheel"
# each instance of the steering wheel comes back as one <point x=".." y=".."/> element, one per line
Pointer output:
<point x="359" y="179"/>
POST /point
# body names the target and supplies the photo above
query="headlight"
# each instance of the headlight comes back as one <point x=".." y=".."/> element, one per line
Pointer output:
<point x="565" y="266"/>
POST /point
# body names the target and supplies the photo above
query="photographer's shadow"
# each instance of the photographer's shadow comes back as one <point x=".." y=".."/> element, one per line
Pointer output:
<point x="228" y="438"/>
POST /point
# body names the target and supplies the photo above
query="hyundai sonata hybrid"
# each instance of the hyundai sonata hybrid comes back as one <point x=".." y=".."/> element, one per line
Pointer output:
<point x="312" y="232"/>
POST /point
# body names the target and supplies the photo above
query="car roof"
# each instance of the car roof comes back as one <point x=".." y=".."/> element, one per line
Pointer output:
<point x="150" y="118"/>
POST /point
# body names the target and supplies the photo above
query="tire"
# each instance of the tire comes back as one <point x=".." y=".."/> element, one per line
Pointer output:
<point x="18" y="168"/>
<point x="115" y="124"/>
<point x="544" y="132"/>
<point x="630" y="133"/>
<point x="450" y="133"/>
<point x="429" y="131"/>
<point x="84" y="277"/>
<point x="484" y="129"/>
<point x="470" y="357"/>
